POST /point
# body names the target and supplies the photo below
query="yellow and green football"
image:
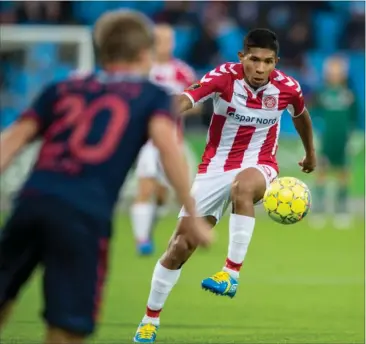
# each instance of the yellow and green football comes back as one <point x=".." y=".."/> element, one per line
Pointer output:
<point x="287" y="200"/>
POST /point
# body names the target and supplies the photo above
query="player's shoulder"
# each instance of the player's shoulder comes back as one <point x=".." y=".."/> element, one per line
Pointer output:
<point x="226" y="71"/>
<point x="233" y="69"/>
<point x="285" y="83"/>
<point x="78" y="74"/>
<point x="158" y="89"/>
<point x="183" y="70"/>
<point x="181" y="65"/>
<point x="75" y="77"/>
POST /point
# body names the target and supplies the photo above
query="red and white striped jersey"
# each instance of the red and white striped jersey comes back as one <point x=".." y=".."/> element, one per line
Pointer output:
<point x="245" y="124"/>
<point x="174" y="75"/>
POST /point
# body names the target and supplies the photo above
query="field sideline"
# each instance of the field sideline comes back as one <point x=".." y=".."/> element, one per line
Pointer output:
<point x="298" y="285"/>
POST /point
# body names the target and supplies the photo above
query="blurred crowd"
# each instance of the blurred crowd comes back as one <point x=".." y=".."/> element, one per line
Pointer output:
<point x="209" y="33"/>
<point x="296" y="23"/>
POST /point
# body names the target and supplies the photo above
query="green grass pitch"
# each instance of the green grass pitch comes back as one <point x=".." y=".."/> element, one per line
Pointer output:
<point x="297" y="285"/>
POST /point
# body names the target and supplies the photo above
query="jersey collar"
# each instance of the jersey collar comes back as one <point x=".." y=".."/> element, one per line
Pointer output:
<point x="253" y="91"/>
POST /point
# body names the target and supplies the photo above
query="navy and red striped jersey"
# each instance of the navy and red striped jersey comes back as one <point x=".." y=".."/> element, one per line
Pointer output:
<point x="92" y="129"/>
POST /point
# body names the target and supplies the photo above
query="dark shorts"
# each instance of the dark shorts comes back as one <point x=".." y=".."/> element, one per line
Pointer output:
<point x="334" y="153"/>
<point x="71" y="246"/>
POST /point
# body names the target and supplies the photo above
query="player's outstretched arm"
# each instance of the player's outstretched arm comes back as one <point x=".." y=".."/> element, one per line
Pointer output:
<point x="14" y="138"/>
<point x="184" y="104"/>
<point x="186" y="108"/>
<point x="304" y="128"/>
<point x="163" y="132"/>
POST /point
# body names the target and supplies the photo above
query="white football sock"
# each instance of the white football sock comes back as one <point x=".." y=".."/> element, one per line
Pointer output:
<point x="163" y="281"/>
<point x="142" y="218"/>
<point x="241" y="229"/>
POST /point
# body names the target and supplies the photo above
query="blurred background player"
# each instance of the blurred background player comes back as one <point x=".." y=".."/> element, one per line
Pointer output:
<point x="152" y="189"/>
<point x="335" y="104"/>
<point x="92" y="129"/>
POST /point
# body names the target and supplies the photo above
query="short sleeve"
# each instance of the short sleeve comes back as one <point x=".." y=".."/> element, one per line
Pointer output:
<point x="42" y="107"/>
<point x="211" y="83"/>
<point x="297" y="103"/>
<point x="186" y="75"/>
<point x="162" y="105"/>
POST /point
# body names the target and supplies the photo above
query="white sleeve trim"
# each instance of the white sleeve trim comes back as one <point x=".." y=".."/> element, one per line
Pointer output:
<point x="291" y="110"/>
<point x="301" y="113"/>
<point x="190" y="98"/>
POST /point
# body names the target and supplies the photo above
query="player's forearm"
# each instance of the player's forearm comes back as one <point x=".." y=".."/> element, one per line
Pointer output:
<point x="304" y="128"/>
<point x="194" y="111"/>
<point x="10" y="145"/>
<point x="176" y="170"/>
<point x="13" y="139"/>
<point x="184" y="106"/>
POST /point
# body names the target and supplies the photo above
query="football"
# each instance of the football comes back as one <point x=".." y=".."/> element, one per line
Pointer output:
<point x="287" y="200"/>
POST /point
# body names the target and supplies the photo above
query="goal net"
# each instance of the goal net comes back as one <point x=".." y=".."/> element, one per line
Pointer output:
<point x="31" y="57"/>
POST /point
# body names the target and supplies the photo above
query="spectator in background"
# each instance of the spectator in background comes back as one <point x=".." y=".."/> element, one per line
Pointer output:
<point x="177" y="13"/>
<point x="7" y="12"/>
<point x="354" y="33"/>
<point x="246" y="13"/>
<point x="292" y="22"/>
<point x="205" y="52"/>
<point x="336" y="106"/>
<point x="44" y="12"/>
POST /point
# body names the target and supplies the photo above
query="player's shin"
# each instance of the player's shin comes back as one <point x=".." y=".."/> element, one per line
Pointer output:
<point x="241" y="229"/>
<point x="341" y="200"/>
<point x="142" y="220"/>
<point x="248" y="188"/>
<point x="163" y="281"/>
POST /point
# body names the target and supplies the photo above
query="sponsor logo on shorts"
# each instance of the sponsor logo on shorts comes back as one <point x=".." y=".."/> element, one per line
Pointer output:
<point x="268" y="171"/>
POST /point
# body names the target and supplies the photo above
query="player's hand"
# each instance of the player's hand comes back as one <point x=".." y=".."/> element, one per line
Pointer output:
<point x="308" y="164"/>
<point x="202" y="233"/>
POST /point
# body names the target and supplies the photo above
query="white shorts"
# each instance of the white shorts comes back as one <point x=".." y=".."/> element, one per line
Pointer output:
<point x="212" y="191"/>
<point x="148" y="164"/>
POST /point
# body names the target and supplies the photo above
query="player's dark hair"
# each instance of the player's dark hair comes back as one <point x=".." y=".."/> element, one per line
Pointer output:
<point x="261" y="38"/>
<point x="122" y="35"/>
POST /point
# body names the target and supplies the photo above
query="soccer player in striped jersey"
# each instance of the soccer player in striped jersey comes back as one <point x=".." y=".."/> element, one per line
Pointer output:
<point x="237" y="165"/>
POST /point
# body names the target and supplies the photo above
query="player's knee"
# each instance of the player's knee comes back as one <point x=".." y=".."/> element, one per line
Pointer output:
<point x="179" y="251"/>
<point x="179" y="246"/>
<point x="242" y="192"/>
<point x="146" y="190"/>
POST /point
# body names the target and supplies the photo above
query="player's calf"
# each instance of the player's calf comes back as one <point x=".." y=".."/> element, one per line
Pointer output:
<point x="248" y="188"/>
<point x="180" y="247"/>
<point x="166" y="274"/>
<point x="143" y="215"/>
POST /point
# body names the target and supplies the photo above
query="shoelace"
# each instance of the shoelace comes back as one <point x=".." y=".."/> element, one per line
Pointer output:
<point x="147" y="331"/>
<point x="220" y="277"/>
